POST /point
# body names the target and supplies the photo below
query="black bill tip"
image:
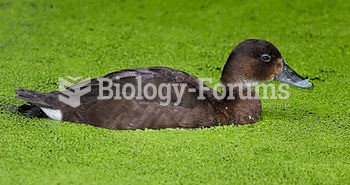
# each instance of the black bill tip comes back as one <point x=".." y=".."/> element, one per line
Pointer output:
<point x="306" y="84"/>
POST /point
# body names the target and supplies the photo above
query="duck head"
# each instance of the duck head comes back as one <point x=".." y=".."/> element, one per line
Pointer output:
<point x="254" y="61"/>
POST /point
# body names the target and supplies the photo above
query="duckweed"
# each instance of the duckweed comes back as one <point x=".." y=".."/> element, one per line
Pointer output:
<point x="302" y="140"/>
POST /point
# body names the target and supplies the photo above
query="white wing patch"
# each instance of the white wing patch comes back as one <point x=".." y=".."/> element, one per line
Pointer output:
<point x="52" y="113"/>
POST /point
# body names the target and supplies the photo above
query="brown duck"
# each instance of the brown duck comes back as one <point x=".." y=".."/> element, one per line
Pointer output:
<point x="250" y="62"/>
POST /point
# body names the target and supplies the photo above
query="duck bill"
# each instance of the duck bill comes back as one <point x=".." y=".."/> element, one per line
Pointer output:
<point x="289" y="76"/>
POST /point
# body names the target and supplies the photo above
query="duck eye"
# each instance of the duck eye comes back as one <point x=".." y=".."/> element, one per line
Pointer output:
<point x="266" y="57"/>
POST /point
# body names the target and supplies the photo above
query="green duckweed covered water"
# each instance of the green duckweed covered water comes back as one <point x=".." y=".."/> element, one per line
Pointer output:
<point x="302" y="140"/>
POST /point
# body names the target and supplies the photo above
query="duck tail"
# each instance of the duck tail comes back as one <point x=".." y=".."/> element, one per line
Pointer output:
<point x="31" y="111"/>
<point x="36" y="100"/>
<point x="34" y="97"/>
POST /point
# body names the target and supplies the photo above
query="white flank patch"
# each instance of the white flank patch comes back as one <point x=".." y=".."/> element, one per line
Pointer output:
<point x="53" y="114"/>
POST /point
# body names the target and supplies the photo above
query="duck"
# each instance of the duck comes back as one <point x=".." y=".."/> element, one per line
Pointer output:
<point x="99" y="104"/>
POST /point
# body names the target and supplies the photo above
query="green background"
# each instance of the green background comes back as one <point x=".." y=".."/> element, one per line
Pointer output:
<point x="302" y="140"/>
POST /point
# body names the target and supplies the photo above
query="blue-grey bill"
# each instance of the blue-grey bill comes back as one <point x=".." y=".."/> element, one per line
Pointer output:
<point x="289" y="76"/>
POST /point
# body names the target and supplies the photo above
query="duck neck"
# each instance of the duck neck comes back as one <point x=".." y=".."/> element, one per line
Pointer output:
<point x="243" y="90"/>
<point x="241" y="104"/>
